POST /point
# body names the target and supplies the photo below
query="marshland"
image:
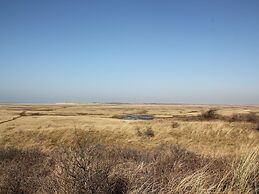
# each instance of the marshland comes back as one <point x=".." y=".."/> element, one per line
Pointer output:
<point x="92" y="148"/>
<point x="129" y="97"/>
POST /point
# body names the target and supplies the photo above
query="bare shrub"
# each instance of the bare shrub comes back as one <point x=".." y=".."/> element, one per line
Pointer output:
<point x="118" y="185"/>
<point x="128" y="154"/>
<point x="209" y="115"/>
<point x="250" y="117"/>
<point x="23" y="171"/>
<point x="138" y="132"/>
<point x="85" y="169"/>
<point x="174" y="124"/>
<point x="23" y="113"/>
<point x="149" y="132"/>
<point x="235" y="117"/>
<point x="168" y="169"/>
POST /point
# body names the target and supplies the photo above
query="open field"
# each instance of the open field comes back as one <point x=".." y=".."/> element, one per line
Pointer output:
<point x="214" y="152"/>
<point x="47" y="126"/>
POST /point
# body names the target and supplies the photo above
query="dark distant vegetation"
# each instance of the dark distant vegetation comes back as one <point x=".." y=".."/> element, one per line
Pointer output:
<point x="249" y="117"/>
<point x="133" y="117"/>
<point x="211" y="114"/>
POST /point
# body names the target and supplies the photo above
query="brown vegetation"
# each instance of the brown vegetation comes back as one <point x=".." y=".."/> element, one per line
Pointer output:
<point x="149" y="132"/>
<point x="257" y="126"/>
<point x="174" y="124"/>
<point x="22" y="171"/>
<point x="211" y="114"/>
<point x="97" y="169"/>
<point x="81" y="149"/>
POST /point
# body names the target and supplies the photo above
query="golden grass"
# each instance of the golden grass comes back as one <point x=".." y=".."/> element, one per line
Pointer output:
<point x="49" y="126"/>
<point x="211" y="156"/>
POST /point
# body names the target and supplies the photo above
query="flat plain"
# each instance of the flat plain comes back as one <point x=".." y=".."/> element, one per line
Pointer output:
<point x="203" y="133"/>
<point x="47" y="126"/>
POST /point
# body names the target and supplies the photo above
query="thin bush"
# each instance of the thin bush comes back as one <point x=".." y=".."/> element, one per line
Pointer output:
<point x="168" y="169"/>
<point x="85" y="169"/>
<point x="138" y="132"/>
<point x="249" y="117"/>
<point x="174" y="124"/>
<point x="22" y="171"/>
<point x="149" y="132"/>
<point x="209" y="115"/>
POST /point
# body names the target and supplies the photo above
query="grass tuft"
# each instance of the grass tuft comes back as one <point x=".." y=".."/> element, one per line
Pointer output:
<point x="149" y="132"/>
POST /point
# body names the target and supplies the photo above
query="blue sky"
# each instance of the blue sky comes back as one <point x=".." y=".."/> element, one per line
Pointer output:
<point x="166" y="51"/>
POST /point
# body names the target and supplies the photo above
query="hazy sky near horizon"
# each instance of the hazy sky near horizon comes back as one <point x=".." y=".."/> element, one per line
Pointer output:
<point x="171" y="51"/>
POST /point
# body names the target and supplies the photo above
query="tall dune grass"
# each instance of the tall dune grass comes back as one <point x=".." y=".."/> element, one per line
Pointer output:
<point x="85" y="168"/>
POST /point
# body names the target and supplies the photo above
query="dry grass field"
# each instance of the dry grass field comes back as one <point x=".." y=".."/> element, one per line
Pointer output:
<point x="48" y="126"/>
<point x="91" y="148"/>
